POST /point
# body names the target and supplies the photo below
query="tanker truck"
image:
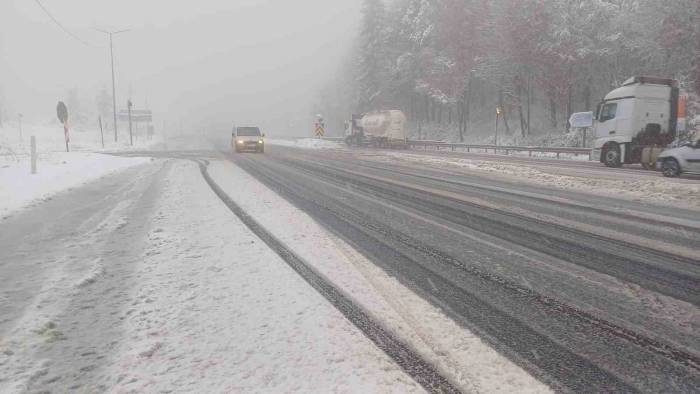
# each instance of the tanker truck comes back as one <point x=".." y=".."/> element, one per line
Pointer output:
<point x="637" y="121"/>
<point x="381" y="129"/>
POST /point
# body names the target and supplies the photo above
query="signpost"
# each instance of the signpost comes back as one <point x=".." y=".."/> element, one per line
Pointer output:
<point x="129" y="104"/>
<point x="582" y="120"/>
<point x="33" y="150"/>
<point x="320" y="127"/>
<point x="136" y="116"/>
<point x="499" y="112"/>
<point x="62" y="112"/>
<point x="102" y="135"/>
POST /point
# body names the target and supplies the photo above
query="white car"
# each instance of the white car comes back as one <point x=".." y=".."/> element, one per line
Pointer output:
<point x="248" y="139"/>
<point x="681" y="160"/>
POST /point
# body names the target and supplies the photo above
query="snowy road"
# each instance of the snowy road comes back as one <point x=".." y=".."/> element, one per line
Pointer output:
<point x="584" y="297"/>
<point x="145" y="280"/>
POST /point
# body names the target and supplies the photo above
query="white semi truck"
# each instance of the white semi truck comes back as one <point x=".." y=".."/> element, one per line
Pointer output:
<point x="637" y="121"/>
<point x="382" y="129"/>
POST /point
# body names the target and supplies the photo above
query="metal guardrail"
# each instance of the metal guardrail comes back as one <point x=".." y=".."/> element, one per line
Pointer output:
<point x="334" y="139"/>
<point x="438" y="145"/>
<point x="498" y="148"/>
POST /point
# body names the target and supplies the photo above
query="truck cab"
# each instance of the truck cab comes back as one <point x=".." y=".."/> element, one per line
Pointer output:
<point x="641" y="114"/>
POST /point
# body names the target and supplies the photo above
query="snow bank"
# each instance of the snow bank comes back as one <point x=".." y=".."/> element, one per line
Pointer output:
<point x="306" y="143"/>
<point x="458" y="353"/>
<point x="681" y="192"/>
<point x="56" y="172"/>
<point x="50" y="139"/>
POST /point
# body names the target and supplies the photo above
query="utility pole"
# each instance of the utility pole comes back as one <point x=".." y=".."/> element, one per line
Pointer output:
<point x="114" y="89"/>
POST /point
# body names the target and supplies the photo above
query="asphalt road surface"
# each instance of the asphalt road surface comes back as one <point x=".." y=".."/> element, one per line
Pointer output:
<point x="589" y="296"/>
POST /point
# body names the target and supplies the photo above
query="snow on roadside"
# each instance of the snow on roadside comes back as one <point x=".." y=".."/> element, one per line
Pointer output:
<point x="49" y="138"/>
<point x="56" y="172"/>
<point x="682" y="193"/>
<point x="306" y="143"/>
<point x="458" y="353"/>
<point x="215" y="310"/>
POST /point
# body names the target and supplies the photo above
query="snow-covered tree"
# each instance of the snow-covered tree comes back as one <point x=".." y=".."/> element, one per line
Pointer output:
<point x="449" y="63"/>
<point x="372" y="57"/>
<point x="75" y="110"/>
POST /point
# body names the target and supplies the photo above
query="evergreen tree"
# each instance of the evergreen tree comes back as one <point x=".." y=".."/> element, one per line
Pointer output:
<point x="540" y="60"/>
<point x="372" y="57"/>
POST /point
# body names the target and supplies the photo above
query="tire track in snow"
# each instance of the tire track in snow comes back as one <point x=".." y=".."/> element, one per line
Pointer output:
<point x="420" y="370"/>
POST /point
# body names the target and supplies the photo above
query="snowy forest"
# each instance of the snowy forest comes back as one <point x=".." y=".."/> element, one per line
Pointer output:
<point x="448" y="64"/>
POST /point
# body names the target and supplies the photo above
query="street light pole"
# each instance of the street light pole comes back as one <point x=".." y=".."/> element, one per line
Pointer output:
<point x="114" y="88"/>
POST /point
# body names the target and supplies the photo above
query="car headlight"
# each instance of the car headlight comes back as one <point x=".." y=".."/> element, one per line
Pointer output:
<point x="260" y="141"/>
<point x="240" y="142"/>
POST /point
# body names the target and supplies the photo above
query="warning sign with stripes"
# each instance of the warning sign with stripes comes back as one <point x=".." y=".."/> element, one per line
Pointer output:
<point x="320" y="129"/>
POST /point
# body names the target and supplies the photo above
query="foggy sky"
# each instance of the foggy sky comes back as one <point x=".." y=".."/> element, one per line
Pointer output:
<point x="203" y="63"/>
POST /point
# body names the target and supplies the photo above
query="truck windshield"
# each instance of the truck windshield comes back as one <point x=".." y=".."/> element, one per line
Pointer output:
<point x="608" y="112"/>
<point x="248" y="132"/>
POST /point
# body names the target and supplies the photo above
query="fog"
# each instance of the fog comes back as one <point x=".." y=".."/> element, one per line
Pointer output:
<point x="197" y="65"/>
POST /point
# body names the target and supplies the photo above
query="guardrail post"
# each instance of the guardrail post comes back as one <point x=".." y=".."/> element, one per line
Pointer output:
<point x="530" y="153"/>
<point x="33" y="149"/>
<point x="557" y="155"/>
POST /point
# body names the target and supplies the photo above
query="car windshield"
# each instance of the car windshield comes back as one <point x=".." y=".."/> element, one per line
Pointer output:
<point x="248" y="132"/>
<point x="609" y="112"/>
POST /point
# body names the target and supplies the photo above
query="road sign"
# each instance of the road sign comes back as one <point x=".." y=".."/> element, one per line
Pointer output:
<point x="320" y="127"/>
<point x="137" y="115"/>
<point x="62" y="112"/>
<point x="581" y="120"/>
<point x="320" y="131"/>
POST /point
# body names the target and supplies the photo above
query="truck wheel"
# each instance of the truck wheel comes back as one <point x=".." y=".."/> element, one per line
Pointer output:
<point x="612" y="156"/>
<point x="671" y="168"/>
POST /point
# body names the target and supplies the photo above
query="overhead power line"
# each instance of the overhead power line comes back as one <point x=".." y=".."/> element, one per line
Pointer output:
<point x="65" y="30"/>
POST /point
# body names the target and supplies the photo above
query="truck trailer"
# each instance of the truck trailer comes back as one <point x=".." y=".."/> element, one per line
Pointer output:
<point x="381" y="129"/>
